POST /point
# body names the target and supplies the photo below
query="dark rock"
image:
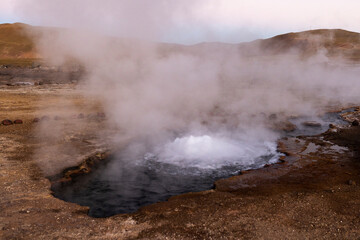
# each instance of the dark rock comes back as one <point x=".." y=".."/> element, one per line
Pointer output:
<point x="285" y="126"/>
<point x="289" y="127"/>
<point x="6" y="122"/>
<point x="355" y="123"/>
<point x="18" y="121"/>
<point x="36" y="120"/>
<point x="332" y="125"/>
<point x="351" y="182"/>
<point x="273" y="116"/>
<point x="81" y="116"/>
<point x="311" y="124"/>
<point x="282" y="158"/>
<point x="204" y="122"/>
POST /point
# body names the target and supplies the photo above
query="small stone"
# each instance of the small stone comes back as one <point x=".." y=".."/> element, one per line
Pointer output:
<point x="351" y="182"/>
<point x="355" y="123"/>
<point x="332" y="125"/>
<point x="81" y="116"/>
<point x="24" y="211"/>
<point x="6" y="122"/>
<point x="18" y="121"/>
<point x="36" y="120"/>
<point x="273" y="116"/>
<point x="311" y="124"/>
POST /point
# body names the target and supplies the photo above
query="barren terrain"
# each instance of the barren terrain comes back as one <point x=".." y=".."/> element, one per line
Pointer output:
<point x="314" y="194"/>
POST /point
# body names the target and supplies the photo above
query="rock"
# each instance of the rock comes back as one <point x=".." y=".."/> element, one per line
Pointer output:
<point x="6" y="122"/>
<point x="18" y="121"/>
<point x="204" y="122"/>
<point x="288" y="127"/>
<point x="273" y="116"/>
<point x="240" y="172"/>
<point x="332" y="125"/>
<point x="36" y="120"/>
<point x="81" y="116"/>
<point x="355" y="123"/>
<point x="351" y="182"/>
<point x="282" y="159"/>
<point x="285" y="126"/>
<point x="311" y="124"/>
<point x="333" y="130"/>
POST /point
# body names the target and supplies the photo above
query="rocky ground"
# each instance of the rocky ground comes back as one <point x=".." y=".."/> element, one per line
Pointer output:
<point x="10" y="75"/>
<point x="314" y="194"/>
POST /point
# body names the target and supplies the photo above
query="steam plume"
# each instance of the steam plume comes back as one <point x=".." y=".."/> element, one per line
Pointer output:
<point x="156" y="92"/>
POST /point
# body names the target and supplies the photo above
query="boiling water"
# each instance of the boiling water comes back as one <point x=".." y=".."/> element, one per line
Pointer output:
<point x="187" y="164"/>
<point x="134" y="177"/>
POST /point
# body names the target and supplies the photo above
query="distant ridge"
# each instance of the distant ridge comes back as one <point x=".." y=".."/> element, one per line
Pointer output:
<point x="16" y="48"/>
<point x="335" y="41"/>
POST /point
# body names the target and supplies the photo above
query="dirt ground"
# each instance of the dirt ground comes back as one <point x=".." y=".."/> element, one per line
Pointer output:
<point x="315" y="194"/>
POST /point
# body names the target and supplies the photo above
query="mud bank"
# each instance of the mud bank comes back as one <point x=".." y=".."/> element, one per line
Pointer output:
<point x="314" y="194"/>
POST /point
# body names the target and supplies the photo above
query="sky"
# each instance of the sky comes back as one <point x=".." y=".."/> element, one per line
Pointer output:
<point x="186" y="21"/>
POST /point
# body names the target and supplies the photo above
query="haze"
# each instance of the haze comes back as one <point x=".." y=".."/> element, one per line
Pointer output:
<point x="186" y="21"/>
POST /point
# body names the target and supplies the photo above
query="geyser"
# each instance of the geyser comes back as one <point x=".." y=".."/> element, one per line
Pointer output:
<point x="137" y="177"/>
<point x="206" y="152"/>
<point x="220" y="95"/>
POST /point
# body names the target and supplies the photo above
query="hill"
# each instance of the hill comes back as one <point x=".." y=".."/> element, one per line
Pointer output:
<point x="18" y="49"/>
<point x="336" y="42"/>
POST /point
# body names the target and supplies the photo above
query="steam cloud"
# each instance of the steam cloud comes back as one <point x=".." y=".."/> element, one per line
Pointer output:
<point x="157" y="92"/>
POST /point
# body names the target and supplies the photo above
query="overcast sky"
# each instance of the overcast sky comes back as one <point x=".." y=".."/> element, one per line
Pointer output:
<point x="187" y="21"/>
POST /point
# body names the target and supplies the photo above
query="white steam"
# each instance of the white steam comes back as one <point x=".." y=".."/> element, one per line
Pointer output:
<point x="206" y="152"/>
<point x="214" y="92"/>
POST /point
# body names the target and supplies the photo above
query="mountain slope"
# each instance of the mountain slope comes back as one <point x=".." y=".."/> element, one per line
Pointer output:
<point x="336" y="42"/>
<point x="17" y="48"/>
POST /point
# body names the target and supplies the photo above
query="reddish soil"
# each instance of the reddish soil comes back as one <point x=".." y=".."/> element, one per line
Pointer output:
<point x="315" y="194"/>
